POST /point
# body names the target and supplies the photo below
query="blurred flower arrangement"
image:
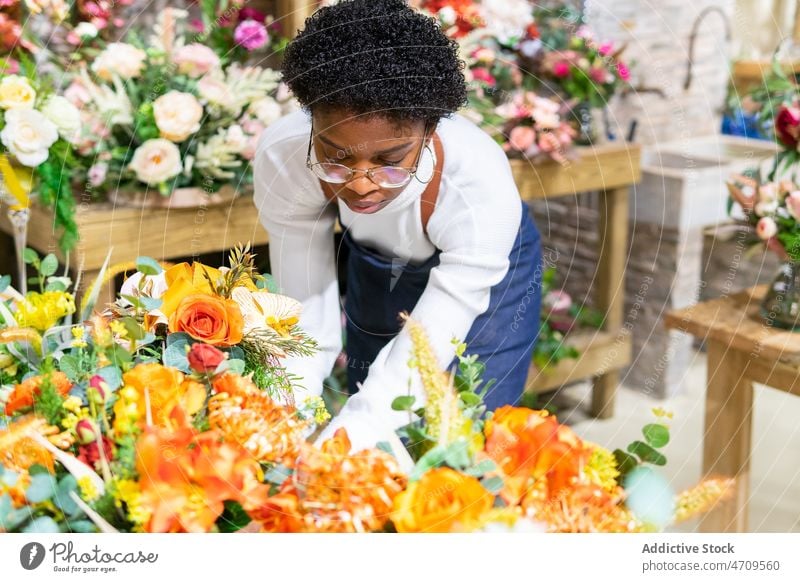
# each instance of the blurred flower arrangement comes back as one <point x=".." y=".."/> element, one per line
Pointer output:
<point x="155" y="416"/>
<point x="173" y="110"/>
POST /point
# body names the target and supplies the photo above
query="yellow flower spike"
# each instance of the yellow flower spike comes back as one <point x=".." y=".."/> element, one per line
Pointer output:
<point x="702" y="497"/>
<point x="18" y="334"/>
<point x="445" y="422"/>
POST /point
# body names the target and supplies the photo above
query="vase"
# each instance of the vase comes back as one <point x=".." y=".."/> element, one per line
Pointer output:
<point x="193" y="197"/>
<point x="781" y="304"/>
<point x="589" y="123"/>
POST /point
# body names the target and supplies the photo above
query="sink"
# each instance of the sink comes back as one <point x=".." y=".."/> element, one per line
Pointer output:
<point x="683" y="182"/>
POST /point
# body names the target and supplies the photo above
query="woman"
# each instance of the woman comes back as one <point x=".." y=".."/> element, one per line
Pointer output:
<point x="432" y="218"/>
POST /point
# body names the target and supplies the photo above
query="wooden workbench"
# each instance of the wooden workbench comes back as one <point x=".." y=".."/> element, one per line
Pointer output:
<point x="742" y="349"/>
<point x="610" y="169"/>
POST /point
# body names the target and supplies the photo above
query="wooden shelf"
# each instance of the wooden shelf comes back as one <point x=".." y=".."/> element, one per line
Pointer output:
<point x="600" y="352"/>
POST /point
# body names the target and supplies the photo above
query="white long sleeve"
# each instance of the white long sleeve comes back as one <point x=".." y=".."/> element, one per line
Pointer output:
<point x="474" y="225"/>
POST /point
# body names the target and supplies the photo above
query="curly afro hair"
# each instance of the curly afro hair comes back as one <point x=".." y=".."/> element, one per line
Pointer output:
<point x="375" y="57"/>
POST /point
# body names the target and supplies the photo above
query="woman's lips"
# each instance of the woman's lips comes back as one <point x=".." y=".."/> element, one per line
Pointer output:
<point x="364" y="207"/>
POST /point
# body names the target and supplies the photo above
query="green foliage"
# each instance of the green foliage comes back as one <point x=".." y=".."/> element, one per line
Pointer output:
<point x="656" y="436"/>
<point x="233" y="518"/>
<point x="49" y="403"/>
<point x="54" y="191"/>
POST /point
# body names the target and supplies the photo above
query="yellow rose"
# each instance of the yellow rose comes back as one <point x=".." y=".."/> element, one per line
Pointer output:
<point x="16" y="93"/>
<point x="443" y="500"/>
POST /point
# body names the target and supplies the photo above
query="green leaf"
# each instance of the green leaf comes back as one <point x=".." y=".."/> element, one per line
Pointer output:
<point x="58" y="283"/>
<point x="277" y="474"/>
<point x="42" y="488"/>
<point x="430" y="460"/>
<point x="176" y="350"/>
<point x="70" y="365"/>
<point x="470" y="398"/>
<point x="656" y="435"/>
<point x="42" y="525"/>
<point x="49" y="265"/>
<point x="481" y="468"/>
<point x="30" y="256"/>
<point x="112" y="375"/>
<point x="493" y="484"/>
<point x="233" y="518"/>
<point x="647" y="453"/>
<point x="81" y="526"/>
<point x="625" y="462"/>
<point x="457" y="455"/>
<point x="267" y="282"/>
<point x="62" y="497"/>
<point x="5" y="281"/>
<point x="385" y="447"/>
<point x="134" y="328"/>
<point x="148" y="266"/>
<point x="150" y="303"/>
<point x="232" y="366"/>
<point x="403" y="403"/>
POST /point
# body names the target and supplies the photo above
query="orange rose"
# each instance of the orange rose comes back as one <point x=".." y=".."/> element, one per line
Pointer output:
<point x="233" y="384"/>
<point x="25" y="393"/>
<point x="184" y="279"/>
<point x="443" y="500"/>
<point x="210" y="319"/>
<point x="166" y="389"/>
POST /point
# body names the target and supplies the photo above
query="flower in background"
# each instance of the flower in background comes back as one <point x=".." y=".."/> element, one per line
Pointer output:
<point x="506" y="19"/>
<point x="623" y="71"/>
<point x="65" y="116"/>
<point x="16" y="93"/>
<point x="121" y="59"/>
<point x="214" y="91"/>
<point x="210" y="319"/>
<point x="97" y="173"/>
<point x="441" y="501"/>
<point x="250" y="34"/>
<point x="793" y="204"/>
<point x="28" y="136"/>
<point x="561" y="69"/>
<point x="10" y="33"/>
<point x="195" y="59"/>
<point x="56" y="10"/>
<point x="522" y="138"/>
<point x="267" y="110"/>
<point x="177" y="115"/>
<point x="156" y="161"/>
<point x="766" y="228"/>
<point x="787" y="125"/>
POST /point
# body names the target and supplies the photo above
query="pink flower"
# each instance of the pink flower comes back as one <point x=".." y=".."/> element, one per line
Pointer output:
<point x="248" y="13"/>
<point x="522" y="137"/>
<point x="197" y="25"/>
<point x="766" y="228"/>
<point x="561" y="69"/>
<point x="787" y="126"/>
<point x="598" y="75"/>
<point x="195" y="59"/>
<point x="251" y="35"/>
<point x="483" y="75"/>
<point x="10" y="67"/>
<point x="558" y="301"/>
<point x="793" y="204"/>
<point x="623" y="71"/>
<point x="97" y="174"/>
<point x="606" y="48"/>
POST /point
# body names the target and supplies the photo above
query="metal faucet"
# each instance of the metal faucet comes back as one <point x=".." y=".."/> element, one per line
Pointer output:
<point x="693" y="37"/>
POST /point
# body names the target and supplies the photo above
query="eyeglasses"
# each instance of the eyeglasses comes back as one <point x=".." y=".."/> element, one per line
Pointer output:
<point x="383" y="176"/>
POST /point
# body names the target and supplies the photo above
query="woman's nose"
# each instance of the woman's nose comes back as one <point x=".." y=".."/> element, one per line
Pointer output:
<point x="361" y="184"/>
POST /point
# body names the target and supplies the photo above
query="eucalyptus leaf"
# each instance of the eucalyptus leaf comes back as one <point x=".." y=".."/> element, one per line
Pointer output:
<point x="42" y="525"/>
<point x="148" y="266"/>
<point x="81" y="526"/>
<point x="30" y="256"/>
<point x="493" y="484"/>
<point x="656" y="435"/>
<point x="112" y="375"/>
<point x="41" y="488"/>
<point x="430" y="460"/>
<point x="49" y="265"/>
<point x="403" y="402"/>
<point x="625" y="461"/>
<point x="70" y="365"/>
<point x="647" y="453"/>
<point x="481" y="468"/>
<point x="62" y="496"/>
<point x="5" y="281"/>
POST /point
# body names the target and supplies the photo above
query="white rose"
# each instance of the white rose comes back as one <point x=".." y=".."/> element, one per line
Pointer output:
<point x="16" y="93"/>
<point x="86" y="30"/>
<point x="177" y="115"/>
<point x="266" y="110"/>
<point x="156" y="161"/>
<point x="235" y="138"/>
<point x="765" y="208"/>
<point x="216" y="92"/>
<point x="64" y="115"/>
<point x="28" y="135"/>
<point x="120" y="59"/>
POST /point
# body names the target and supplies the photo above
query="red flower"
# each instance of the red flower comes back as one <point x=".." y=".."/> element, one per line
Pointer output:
<point x="90" y="454"/>
<point x="787" y="125"/>
<point x="204" y="358"/>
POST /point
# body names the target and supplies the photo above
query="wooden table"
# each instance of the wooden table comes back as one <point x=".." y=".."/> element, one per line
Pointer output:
<point x="162" y="234"/>
<point x="742" y="349"/>
<point x="610" y="169"/>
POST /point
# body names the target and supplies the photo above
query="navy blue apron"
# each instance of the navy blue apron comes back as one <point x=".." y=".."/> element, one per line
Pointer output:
<point x="378" y="290"/>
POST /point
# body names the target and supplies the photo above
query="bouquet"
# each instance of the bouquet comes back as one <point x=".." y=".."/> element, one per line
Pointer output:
<point x="36" y="130"/>
<point x="115" y="424"/>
